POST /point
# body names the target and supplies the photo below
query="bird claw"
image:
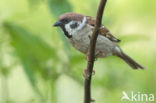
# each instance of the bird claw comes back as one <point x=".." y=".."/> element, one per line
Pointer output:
<point x="86" y="74"/>
<point x="87" y="57"/>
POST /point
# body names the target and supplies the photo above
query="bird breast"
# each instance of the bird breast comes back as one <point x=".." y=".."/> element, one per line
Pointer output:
<point x="81" y="41"/>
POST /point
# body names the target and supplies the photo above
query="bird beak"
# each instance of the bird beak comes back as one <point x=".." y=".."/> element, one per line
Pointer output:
<point x="58" y="23"/>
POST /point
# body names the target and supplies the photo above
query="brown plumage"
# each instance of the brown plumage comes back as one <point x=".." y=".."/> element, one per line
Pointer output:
<point x="106" y="43"/>
<point x="91" y="21"/>
<point x="71" y="16"/>
<point x="129" y="61"/>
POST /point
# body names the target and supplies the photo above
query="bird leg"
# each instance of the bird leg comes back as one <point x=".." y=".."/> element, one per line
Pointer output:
<point x="86" y="74"/>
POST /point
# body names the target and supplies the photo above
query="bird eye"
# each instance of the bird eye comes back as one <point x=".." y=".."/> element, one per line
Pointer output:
<point x="65" y="21"/>
<point x="74" y="25"/>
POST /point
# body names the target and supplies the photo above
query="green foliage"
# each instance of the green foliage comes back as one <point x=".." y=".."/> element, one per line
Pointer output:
<point x="38" y="65"/>
<point x="57" y="5"/>
<point x="133" y="38"/>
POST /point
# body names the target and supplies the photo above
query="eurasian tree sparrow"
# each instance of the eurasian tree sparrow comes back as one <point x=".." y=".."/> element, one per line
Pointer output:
<point x="78" y="29"/>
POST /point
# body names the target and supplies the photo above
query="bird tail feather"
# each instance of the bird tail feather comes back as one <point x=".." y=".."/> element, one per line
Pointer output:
<point x="128" y="59"/>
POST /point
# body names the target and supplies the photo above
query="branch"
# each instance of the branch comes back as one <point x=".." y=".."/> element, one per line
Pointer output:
<point x="91" y="52"/>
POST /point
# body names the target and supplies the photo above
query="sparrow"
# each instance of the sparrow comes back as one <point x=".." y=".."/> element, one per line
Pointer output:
<point x="78" y="29"/>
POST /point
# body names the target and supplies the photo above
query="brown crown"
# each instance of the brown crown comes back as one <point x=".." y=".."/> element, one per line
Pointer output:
<point x="78" y="17"/>
<point x="72" y="16"/>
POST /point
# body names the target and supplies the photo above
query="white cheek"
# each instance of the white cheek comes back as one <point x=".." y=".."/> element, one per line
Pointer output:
<point x="78" y="29"/>
<point x="69" y="30"/>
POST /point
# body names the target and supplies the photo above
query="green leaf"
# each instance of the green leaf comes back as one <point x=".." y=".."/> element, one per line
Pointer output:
<point x="57" y="8"/>
<point x="132" y="38"/>
<point x="76" y="59"/>
<point x="33" y="52"/>
<point x="34" y="3"/>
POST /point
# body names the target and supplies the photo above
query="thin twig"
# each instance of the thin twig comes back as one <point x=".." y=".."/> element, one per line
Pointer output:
<point x="91" y="52"/>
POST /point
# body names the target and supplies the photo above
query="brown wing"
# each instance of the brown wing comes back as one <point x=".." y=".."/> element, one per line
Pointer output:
<point x="103" y="31"/>
<point x="91" y="20"/>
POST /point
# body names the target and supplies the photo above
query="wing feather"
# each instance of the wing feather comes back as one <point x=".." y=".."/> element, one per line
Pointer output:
<point x="103" y="30"/>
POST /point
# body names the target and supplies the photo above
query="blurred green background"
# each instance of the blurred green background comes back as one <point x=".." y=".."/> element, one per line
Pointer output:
<point x="38" y="65"/>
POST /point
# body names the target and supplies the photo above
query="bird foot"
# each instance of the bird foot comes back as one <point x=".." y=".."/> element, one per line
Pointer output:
<point x="86" y="74"/>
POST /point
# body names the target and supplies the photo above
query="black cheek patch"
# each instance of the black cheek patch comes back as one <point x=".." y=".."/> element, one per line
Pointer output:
<point x="66" y="33"/>
<point x="73" y="26"/>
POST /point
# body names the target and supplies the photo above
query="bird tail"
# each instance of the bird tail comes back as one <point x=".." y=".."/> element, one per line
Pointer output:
<point x="129" y="60"/>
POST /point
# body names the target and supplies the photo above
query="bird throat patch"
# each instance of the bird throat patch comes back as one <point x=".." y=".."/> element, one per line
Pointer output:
<point x="66" y="33"/>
